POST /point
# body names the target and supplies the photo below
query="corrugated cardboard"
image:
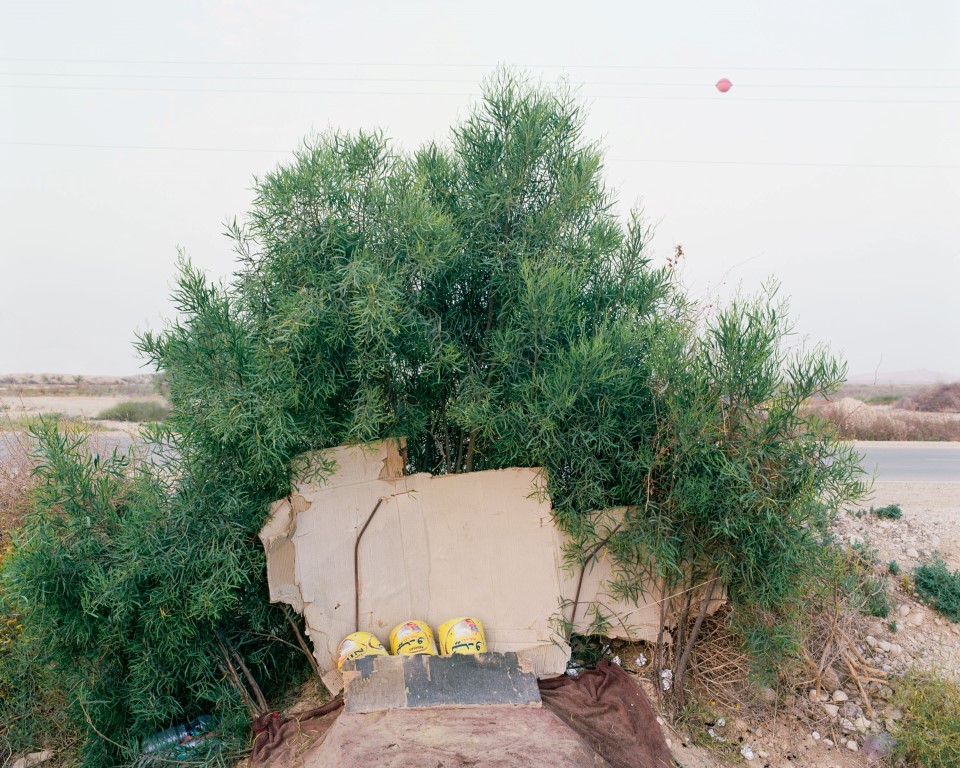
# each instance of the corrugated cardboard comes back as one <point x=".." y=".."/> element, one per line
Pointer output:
<point x="481" y="544"/>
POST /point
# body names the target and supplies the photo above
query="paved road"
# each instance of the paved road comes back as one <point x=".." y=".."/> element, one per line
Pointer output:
<point x="912" y="462"/>
<point x="894" y="462"/>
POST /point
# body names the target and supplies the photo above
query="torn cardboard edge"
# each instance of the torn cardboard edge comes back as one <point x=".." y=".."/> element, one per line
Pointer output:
<point x="481" y="544"/>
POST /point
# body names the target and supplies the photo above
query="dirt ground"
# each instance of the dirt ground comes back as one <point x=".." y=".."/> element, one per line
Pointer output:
<point x="794" y="734"/>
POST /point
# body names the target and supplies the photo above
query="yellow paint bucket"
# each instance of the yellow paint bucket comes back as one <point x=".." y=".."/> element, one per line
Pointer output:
<point x="464" y="635"/>
<point x="358" y="645"/>
<point x="412" y="638"/>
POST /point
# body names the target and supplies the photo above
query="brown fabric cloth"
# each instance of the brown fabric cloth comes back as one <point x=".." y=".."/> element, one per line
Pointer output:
<point x="282" y="741"/>
<point x="610" y="712"/>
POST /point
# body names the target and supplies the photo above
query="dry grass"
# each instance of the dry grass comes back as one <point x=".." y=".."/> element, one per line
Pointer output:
<point x="719" y="667"/>
<point x="942" y="398"/>
<point x="16" y="465"/>
<point x="856" y="420"/>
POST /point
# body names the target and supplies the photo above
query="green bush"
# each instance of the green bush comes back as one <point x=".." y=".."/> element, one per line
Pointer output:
<point x="135" y="410"/>
<point x="939" y="587"/>
<point x="889" y="512"/>
<point x="893" y="568"/>
<point x="482" y="300"/>
<point x="929" y="734"/>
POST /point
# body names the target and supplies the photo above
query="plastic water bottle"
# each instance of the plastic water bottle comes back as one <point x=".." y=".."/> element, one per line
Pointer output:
<point x="179" y="734"/>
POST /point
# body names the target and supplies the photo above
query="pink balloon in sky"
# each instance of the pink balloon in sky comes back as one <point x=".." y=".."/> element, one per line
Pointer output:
<point x="724" y="85"/>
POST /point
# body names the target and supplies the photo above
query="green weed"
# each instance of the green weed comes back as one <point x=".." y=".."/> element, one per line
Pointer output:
<point x="937" y="586"/>
<point x="930" y="732"/>
<point x="889" y="512"/>
<point x="135" y="410"/>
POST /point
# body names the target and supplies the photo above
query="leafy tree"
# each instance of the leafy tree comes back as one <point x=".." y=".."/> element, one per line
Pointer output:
<point x="481" y="299"/>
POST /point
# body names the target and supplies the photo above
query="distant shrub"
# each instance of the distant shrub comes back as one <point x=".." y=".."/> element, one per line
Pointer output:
<point x="929" y="736"/>
<point x="135" y="410"/>
<point x="889" y="512"/>
<point x="939" y="587"/>
<point x="889" y="399"/>
<point x="942" y="398"/>
<point x="868" y="423"/>
<point x="893" y="567"/>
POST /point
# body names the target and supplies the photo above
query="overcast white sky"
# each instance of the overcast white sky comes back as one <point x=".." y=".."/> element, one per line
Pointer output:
<point x="129" y="129"/>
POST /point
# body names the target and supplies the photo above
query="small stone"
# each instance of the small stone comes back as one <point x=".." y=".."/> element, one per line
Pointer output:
<point x="847" y="725"/>
<point x="839" y="695"/>
<point x="659" y="721"/>
<point x="32" y="759"/>
<point x="916" y="619"/>
<point x="871" y="641"/>
<point x="828" y="742"/>
<point x="669" y="743"/>
<point x="861" y="724"/>
<point x="904" y="610"/>
<point x="761" y="754"/>
<point x="768" y="695"/>
<point x="874" y="628"/>
<point x="884" y="646"/>
<point x="830" y="679"/>
<point x="912" y="553"/>
<point x="896" y="649"/>
<point x="831" y="709"/>
<point x="894" y="714"/>
<point x="853" y="746"/>
<point x="812" y="696"/>
<point x="850" y="710"/>
<point x="816" y="736"/>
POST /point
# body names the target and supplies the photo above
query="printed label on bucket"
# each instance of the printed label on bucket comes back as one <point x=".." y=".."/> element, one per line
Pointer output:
<point x="463" y="635"/>
<point x="358" y="645"/>
<point x="411" y="638"/>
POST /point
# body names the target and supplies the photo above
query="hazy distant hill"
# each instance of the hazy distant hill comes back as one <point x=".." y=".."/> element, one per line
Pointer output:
<point x="917" y="377"/>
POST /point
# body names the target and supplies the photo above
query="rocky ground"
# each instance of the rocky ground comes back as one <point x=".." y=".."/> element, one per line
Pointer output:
<point x="837" y="725"/>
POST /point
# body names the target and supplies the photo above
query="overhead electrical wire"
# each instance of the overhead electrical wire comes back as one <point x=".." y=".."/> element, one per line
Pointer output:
<point x="434" y="65"/>
<point x="466" y="81"/>
<point x="461" y="94"/>
<point x="666" y="161"/>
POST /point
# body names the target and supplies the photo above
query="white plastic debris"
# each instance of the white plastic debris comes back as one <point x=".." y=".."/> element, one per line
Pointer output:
<point x="747" y="751"/>
<point x="666" y="679"/>
<point x="721" y="721"/>
<point x="616" y="660"/>
<point x="640" y="661"/>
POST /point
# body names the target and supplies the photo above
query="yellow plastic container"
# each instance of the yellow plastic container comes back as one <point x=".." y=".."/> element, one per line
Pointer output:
<point x="463" y="635"/>
<point x="412" y="638"/>
<point x="358" y="645"/>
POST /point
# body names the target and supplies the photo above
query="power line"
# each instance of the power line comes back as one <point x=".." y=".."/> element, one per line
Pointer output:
<point x="666" y="161"/>
<point x="460" y="94"/>
<point x="435" y="65"/>
<point x="465" y="81"/>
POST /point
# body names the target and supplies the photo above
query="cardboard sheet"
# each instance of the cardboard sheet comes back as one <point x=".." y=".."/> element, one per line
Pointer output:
<point x="481" y="544"/>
